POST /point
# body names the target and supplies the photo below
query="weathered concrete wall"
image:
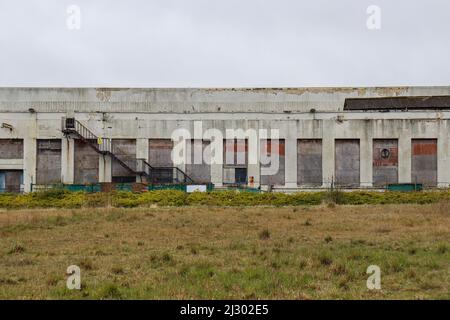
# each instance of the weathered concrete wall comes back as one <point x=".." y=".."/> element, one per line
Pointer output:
<point x="195" y="100"/>
<point x="143" y="114"/>
<point x="48" y="161"/>
<point x="385" y="161"/>
<point x="309" y="162"/>
<point x="347" y="162"/>
<point x="424" y="161"/>
<point x="86" y="163"/>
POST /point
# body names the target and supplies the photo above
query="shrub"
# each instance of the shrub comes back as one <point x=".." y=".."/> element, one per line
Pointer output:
<point x="66" y="199"/>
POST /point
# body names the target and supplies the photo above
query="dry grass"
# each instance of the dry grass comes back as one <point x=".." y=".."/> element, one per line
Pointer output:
<point x="217" y="252"/>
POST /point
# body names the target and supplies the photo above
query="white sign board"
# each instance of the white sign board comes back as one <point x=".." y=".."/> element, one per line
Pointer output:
<point x="198" y="188"/>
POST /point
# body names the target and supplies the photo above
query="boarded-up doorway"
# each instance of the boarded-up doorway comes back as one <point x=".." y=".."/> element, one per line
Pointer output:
<point x="424" y="161"/>
<point x="385" y="162"/>
<point x="272" y="157"/>
<point x="48" y="161"/>
<point x="347" y="162"/>
<point x="309" y="162"/>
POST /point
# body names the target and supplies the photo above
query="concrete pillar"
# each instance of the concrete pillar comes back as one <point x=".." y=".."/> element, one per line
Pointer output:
<point x="327" y="153"/>
<point x="366" y="163"/>
<point x="67" y="160"/>
<point x="142" y="149"/>
<point x="291" y="155"/>
<point x="404" y="155"/>
<point x="443" y="154"/>
<point x="104" y="168"/>
<point x="253" y="169"/>
<point x="29" y="163"/>
<point x="217" y="168"/>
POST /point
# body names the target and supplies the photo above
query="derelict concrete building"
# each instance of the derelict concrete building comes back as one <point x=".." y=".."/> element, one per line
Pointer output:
<point x="353" y="137"/>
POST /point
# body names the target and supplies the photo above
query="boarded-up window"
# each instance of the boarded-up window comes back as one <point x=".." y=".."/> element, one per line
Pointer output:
<point x="125" y="151"/>
<point x="86" y="163"/>
<point x="11" y="149"/>
<point x="48" y="162"/>
<point x="272" y="157"/>
<point x="347" y="162"/>
<point x="385" y="162"/>
<point x="198" y="166"/>
<point x="424" y="161"/>
<point x="160" y="152"/>
<point x="309" y="162"/>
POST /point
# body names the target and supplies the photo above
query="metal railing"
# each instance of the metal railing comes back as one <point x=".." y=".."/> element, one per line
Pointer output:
<point x="154" y="175"/>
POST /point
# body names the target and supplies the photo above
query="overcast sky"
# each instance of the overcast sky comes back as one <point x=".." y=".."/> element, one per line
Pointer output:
<point x="224" y="43"/>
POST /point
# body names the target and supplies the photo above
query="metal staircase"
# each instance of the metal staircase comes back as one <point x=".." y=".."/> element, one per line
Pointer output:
<point x="138" y="167"/>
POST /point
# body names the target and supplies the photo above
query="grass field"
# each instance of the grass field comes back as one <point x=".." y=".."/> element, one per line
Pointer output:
<point x="307" y="252"/>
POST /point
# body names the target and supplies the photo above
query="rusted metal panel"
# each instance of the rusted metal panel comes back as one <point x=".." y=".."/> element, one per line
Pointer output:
<point x="424" y="161"/>
<point x="347" y="162"/>
<point x="86" y="164"/>
<point x="48" y="161"/>
<point x="198" y="166"/>
<point x="309" y="162"/>
<point x="385" y="162"/>
<point x="160" y="152"/>
<point x="11" y="149"/>
<point x="125" y="150"/>
<point x="272" y="155"/>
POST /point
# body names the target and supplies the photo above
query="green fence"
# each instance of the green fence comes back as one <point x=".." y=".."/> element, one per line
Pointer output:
<point x="405" y="187"/>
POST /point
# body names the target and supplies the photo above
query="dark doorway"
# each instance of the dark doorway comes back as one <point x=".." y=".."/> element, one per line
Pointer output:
<point x="240" y="175"/>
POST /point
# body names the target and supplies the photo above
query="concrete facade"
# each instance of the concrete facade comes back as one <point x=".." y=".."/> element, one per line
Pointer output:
<point x="144" y="116"/>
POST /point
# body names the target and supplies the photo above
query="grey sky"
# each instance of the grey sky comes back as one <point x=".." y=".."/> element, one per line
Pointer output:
<point x="226" y="43"/>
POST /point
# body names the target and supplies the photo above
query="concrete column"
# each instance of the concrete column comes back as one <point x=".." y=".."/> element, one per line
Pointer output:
<point x="366" y="163"/>
<point x="29" y="163"/>
<point x="104" y="168"/>
<point x="291" y="155"/>
<point x="327" y="153"/>
<point x="67" y="160"/>
<point x="217" y="168"/>
<point x="443" y="155"/>
<point x="404" y="155"/>
<point x="142" y="149"/>
<point x="253" y="169"/>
